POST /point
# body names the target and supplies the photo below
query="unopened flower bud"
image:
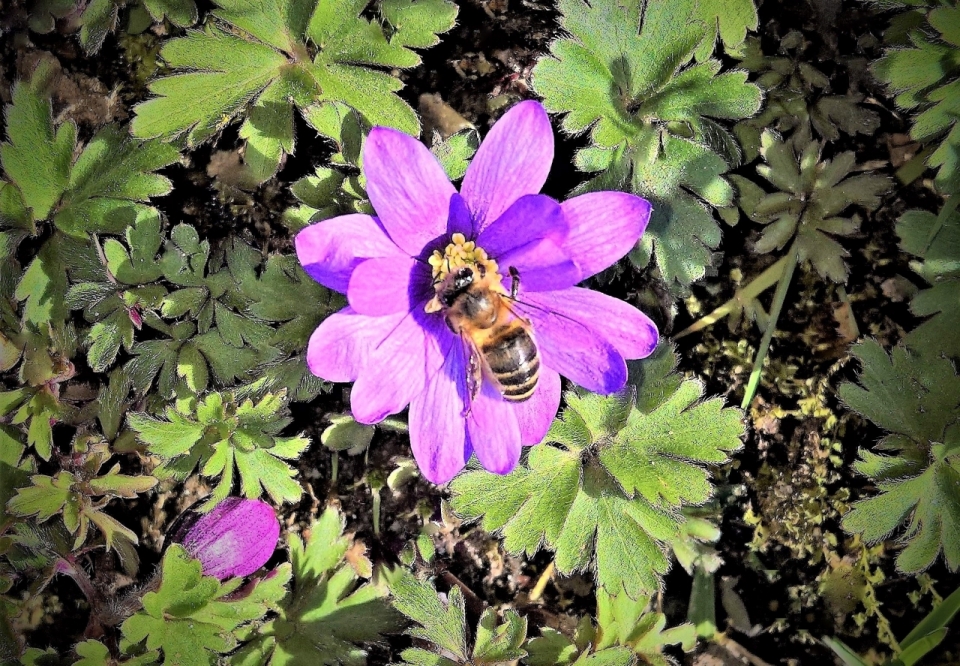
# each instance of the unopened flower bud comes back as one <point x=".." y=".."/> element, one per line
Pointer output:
<point x="234" y="539"/>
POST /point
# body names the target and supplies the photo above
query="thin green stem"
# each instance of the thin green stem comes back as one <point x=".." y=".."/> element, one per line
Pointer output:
<point x="744" y="295"/>
<point x="779" y="297"/>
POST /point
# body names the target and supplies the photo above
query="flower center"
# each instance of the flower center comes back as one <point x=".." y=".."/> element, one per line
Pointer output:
<point x="459" y="253"/>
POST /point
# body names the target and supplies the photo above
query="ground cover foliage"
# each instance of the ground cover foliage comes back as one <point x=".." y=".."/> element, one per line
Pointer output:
<point x="159" y="155"/>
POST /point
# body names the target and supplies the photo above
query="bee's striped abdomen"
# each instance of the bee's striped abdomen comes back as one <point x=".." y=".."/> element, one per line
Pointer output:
<point x="512" y="358"/>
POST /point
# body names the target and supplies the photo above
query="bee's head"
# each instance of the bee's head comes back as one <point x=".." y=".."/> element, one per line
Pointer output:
<point x="463" y="278"/>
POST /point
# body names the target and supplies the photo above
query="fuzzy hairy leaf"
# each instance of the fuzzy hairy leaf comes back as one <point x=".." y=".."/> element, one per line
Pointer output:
<point x="104" y="189"/>
<point x="655" y="116"/>
<point x="81" y="496"/>
<point x="807" y="211"/>
<point x="916" y="398"/>
<point x="605" y="492"/>
<point x="220" y="433"/>
<point x="935" y="239"/>
<point x="444" y="626"/>
<point x="327" y="615"/>
<point x="926" y="78"/>
<point x="191" y="617"/>
<point x="274" y="55"/>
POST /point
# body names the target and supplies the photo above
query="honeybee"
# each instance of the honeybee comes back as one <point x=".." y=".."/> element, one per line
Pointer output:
<point x="500" y="341"/>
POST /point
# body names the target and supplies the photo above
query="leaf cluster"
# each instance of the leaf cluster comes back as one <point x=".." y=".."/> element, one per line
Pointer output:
<point x="807" y="209"/>
<point x="626" y="632"/>
<point x="262" y="60"/>
<point x="98" y="18"/>
<point x="924" y="73"/>
<point x="915" y="397"/>
<point x="220" y="433"/>
<point x="327" y="614"/>
<point x="80" y="492"/>
<point x="101" y="187"/>
<point x="443" y="628"/>
<point x="217" y="316"/>
<point x="605" y="490"/>
<point x="798" y="99"/>
<point x="194" y="619"/>
<point x="625" y="629"/>
<point x="640" y="77"/>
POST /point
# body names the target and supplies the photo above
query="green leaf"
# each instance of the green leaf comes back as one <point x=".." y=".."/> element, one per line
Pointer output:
<point x="110" y="180"/>
<point x="455" y="152"/>
<point x="655" y="117"/>
<point x="220" y="431"/>
<point x="444" y="626"/>
<point x="345" y="434"/>
<point x="95" y="653"/>
<point x="926" y="78"/>
<point x="182" y="13"/>
<point x="43" y="286"/>
<point x="104" y="189"/>
<point x="36" y="157"/>
<point x="45" y="498"/>
<point x="911" y="394"/>
<point x="190" y="618"/>
<point x="328" y="615"/>
<point x="606" y="491"/>
<point x="806" y="213"/>
<point x="917" y="397"/>
<point x="99" y="19"/>
<point x="44" y="14"/>
<point x="936" y="240"/>
<point x="798" y="102"/>
<point x="266" y="58"/>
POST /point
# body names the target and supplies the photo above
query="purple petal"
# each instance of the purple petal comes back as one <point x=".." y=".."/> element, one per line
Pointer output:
<point x="536" y="414"/>
<point x="396" y="369"/>
<point x="235" y="539"/>
<point x="575" y="350"/>
<point x="407" y="187"/>
<point x="542" y="266"/>
<point x="459" y="220"/>
<point x="437" y="428"/>
<point x="629" y="330"/>
<point x="342" y="344"/>
<point x="493" y="431"/>
<point x="385" y="286"/>
<point x="532" y="218"/>
<point x="604" y="226"/>
<point x="514" y="159"/>
<point x="330" y="250"/>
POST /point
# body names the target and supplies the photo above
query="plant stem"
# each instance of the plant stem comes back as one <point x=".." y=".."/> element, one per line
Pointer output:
<point x="744" y="295"/>
<point x="541" y="585"/>
<point x="779" y="297"/>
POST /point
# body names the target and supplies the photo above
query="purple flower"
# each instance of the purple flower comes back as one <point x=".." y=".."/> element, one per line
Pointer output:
<point x="395" y="345"/>
<point x="235" y="539"/>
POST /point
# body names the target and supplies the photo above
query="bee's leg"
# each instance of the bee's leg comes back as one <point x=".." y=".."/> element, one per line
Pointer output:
<point x="514" y="282"/>
<point x="514" y="288"/>
<point x="474" y="374"/>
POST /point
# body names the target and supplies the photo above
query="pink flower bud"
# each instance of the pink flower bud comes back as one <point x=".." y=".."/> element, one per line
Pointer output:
<point x="135" y="317"/>
<point x="235" y="539"/>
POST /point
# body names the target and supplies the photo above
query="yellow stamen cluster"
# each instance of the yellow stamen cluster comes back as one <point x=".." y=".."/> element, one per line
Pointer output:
<point x="459" y="253"/>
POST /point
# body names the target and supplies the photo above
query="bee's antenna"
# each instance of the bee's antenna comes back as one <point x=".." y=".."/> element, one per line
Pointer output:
<point x="514" y="282"/>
